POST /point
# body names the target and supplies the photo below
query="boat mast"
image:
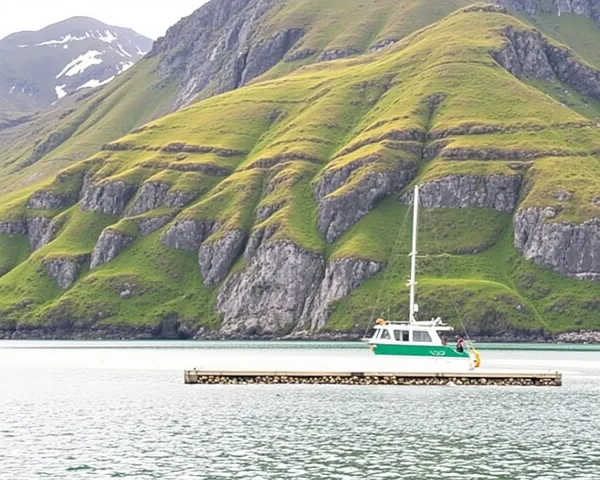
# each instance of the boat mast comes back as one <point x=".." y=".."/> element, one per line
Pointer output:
<point x="413" y="256"/>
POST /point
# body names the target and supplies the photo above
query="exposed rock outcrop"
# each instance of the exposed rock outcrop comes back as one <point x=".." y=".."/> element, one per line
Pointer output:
<point x="50" y="201"/>
<point x="218" y="48"/>
<point x="178" y="199"/>
<point x="152" y="195"/>
<point x="528" y="52"/>
<point x="567" y="248"/>
<point x="108" y="197"/>
<point x="39" y="232"/>
<point x="65" y="270"/>
<point x="498" y="192"/>
<point x="108" y="246"/>
<point x="18" y="227"/>
<point x="274" y="291"/>
<point x="146" y="226"/>
<point x="188" y="234"/>
<point x="338" y="211"/>
<point x="337" y="53"/>
<point x="216" y="257"/>
<point x="341" y="278"/>
<point x="586" y="8"/>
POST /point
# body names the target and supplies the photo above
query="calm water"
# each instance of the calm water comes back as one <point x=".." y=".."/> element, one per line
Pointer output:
<point x="120" y="409"/>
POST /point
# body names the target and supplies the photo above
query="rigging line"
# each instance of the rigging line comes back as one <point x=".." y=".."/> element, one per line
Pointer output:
<point x="386" y="275"/>
<point x="445" y="272"/>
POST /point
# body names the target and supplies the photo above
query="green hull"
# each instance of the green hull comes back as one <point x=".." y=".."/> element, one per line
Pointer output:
<point x="437" y="351"/>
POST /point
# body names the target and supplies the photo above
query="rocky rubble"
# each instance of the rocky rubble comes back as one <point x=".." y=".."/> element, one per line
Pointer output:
<point x="566" y="248"/>
<point x="498" y="192"/>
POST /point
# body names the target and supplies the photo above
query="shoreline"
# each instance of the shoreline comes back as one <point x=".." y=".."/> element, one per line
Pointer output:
<point x="590" y="337"/>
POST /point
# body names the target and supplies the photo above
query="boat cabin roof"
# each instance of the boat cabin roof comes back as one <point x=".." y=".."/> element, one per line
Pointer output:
<point x="435" y="324"/>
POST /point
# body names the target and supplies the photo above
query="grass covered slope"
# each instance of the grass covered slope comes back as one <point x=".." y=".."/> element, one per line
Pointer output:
<point x="150" y="233"/>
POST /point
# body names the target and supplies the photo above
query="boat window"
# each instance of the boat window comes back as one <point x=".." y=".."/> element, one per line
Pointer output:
<point x="401" y="335"/>
<point x="385" y="335"/>
<point x="421" y="336"/>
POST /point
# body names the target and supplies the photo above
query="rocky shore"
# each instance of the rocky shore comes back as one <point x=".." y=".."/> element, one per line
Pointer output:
<point x="179" y="332"/>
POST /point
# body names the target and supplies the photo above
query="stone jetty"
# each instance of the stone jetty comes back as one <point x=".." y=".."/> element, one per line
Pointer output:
<point x="471" y="378"/>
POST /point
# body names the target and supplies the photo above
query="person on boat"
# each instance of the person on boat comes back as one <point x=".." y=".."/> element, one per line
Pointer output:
<point x="444" y="340"/>
<point x="460" y="344"/>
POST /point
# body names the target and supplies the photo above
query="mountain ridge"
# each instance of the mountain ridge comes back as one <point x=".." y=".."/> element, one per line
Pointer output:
<point x="41" y="67"/>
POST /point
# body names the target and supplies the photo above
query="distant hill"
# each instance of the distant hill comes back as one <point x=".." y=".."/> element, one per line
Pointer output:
<point x="39" y="68"/>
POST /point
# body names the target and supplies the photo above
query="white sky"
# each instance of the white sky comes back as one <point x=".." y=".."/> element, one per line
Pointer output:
<point x="147" y="17"/>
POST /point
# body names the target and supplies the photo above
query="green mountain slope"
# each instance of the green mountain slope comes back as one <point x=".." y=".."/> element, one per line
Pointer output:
<point x="173" y="75"/>
<point x="277" y="208"/>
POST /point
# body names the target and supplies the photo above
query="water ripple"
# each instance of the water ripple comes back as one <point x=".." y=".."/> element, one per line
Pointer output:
<point x="106" y="423"/>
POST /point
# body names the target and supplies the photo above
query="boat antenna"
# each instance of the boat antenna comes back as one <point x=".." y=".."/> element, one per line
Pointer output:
<point x="414" y="308"/>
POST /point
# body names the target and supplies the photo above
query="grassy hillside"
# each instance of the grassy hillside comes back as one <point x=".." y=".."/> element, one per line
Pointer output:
<point x="53" y="139"/>
<point x="436" y="103"/>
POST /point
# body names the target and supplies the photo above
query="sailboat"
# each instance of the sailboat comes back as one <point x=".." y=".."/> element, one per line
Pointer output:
<point x="420" y="341"/>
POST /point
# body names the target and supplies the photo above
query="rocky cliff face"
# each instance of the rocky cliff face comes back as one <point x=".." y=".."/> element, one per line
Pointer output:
<point x="216" y="46"/>
<point x="188" y="234"/>
<point x="564" y="247"/>
<point x="341" y="278"/>
<point x="65" y="270"/>
<point x="286" y="288"/>
<point x="586" y="8"/>
<point x="339" y="208"/>
<point x="217" y="257"/>
<point x="109" y="245"/>
<point x="273" y="292"/>
<point x="498" y="192"/>
<point x="109" y="197"/>
<point x="39" y="230"/>
<point x="527" y="52"/>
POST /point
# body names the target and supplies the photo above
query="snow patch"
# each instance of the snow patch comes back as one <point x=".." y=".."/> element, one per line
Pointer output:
<point x="96" y="83"/>
<point x="81" y="63"/>
<point x="107" y="37"/>
<point x="140" y="51"/>
<point x="124" y="66"/>
<point x="123" y="50"/>
<point x="12" y="89"/>
<point x="22" y="46"/>
<point x="60" y="92"/>
<point x="63" y="40"/>
<point x="66" y="47"/>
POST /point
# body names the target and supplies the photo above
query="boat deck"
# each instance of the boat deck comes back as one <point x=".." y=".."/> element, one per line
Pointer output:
<point x="475" y="377"/>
